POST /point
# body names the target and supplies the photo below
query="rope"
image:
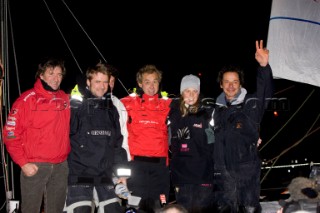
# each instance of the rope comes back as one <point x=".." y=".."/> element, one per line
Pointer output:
<point x="54" y="20"/>
<point x="95" y="46"/>
<point x="15" y="59"/>
<point x="275" y="159"/>
<point x="287" y="121"/>
<point x="4" y="61"/>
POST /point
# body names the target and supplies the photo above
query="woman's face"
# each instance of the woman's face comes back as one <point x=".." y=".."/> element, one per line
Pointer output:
<point x="190" y="96"/>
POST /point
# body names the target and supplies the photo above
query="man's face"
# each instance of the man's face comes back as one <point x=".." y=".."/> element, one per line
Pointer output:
<point x="111" y="82"/>
<point x="98" y="85"/>
<point x="150" y="83"/>
<point x="53" y="77"/>
<point x="230" y="84"/>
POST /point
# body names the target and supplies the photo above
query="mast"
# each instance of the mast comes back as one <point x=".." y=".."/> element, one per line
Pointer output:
<point x="7" y="172"/>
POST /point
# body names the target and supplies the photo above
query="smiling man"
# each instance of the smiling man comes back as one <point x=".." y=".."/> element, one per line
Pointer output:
<point x="36" y="135"/>
<point x="148" y="139"/>
<point x="237" y="120"/>
<point x="96" y="143"/>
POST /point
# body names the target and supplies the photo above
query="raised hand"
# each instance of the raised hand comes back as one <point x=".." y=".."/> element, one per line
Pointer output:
<point x="262" y="54"/>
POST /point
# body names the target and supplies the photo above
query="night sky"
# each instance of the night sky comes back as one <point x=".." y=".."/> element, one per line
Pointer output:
<point x="180" y="39"/>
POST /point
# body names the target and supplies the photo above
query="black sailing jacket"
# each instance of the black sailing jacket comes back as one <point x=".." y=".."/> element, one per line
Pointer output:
<point x="96" y="141"/>
<point x="237" y="125"/>
<point x="191" y="146"/>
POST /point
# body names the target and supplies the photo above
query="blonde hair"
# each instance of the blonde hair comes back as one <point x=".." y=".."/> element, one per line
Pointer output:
<point x="192" y="109"/>
<point x="98" y="68"/>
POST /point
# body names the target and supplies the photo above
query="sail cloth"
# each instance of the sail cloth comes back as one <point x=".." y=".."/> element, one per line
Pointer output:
<point x="294" y="40"/>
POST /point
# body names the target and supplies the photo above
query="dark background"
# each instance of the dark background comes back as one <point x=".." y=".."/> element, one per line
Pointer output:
<point x="179" y="38"/>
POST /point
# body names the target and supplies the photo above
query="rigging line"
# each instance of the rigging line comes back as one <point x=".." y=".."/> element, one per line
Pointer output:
<point x="123" y="86"/>
<point x="293" y="165"/>
<point x="12" y="196"/>
<point x="284" y="90"/>
<point x="283" y="152"/>
<point x="269" y="170"/>
<point x="294" y="145"/>
<point x="84" y="30"/>
<point x="4" y="51"/>
<point x="95" y="46"/>
<point x="14" y="52"/>
<point x="297" y="143"/>
<point x="3" y="205"/>
<point x="62" y="35"/>
<point x="287" y="121"/>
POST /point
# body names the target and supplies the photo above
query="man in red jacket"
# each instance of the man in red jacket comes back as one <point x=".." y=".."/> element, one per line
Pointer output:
<point x="36" y="136"/>
<point x="148" y="140"/>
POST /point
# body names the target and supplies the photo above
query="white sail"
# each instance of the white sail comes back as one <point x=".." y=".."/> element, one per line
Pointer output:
<point x="294" y="40"/>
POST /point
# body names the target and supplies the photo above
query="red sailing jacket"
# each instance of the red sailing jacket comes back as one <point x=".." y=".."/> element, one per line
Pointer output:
<point x="37" y="127"/>
<point x="147" y="128"/>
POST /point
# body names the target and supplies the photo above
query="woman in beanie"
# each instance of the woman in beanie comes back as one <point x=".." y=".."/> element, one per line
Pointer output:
<point x="192" y="146"/>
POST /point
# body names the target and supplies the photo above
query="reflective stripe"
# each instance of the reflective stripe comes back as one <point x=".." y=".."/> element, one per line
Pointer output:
<point x="105" y="203"/>
<point x="70" y="208"/>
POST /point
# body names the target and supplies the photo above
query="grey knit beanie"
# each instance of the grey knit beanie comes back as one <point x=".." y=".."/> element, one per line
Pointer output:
<point x="190" y="81"/>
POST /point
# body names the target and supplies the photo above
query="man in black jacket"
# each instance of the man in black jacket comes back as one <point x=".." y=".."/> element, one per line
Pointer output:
<point x="237" y="118"/>
<point x="96" y="143"/>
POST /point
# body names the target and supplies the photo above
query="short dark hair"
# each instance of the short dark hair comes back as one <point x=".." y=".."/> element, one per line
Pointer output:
<point x="231" y="68"/>
<point x="50" y="63"/>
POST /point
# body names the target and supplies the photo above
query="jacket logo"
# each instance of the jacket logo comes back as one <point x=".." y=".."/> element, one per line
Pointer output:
<point x="198" y="125"/>
<point x="11" y="123"/>
<point x="10" y="135"/>
<point x="31" y="93"/>
<point x="12" y="118"/>
<point x="238" y="125"/>
<point x="148" y="122"/>
<point x="10" y="128"/>
<point x="184" y="148"/>
<point x="101" y="132"/>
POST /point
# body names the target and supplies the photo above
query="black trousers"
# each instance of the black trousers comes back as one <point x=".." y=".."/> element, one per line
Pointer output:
<point x="238" y="189"/>
<point x="149" y="179"/>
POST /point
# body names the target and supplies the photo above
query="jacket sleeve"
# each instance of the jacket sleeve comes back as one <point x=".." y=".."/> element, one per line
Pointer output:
<point x="265" y="88"/>
<point x="123" y="117"/>
<point x="120" y="154"/>
<point x="74" y="121"/>
<point x="174" y="117"/>
<point x="13" y="132"/>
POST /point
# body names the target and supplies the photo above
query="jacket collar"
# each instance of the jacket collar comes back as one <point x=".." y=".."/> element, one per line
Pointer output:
<point x="221" y="100"/>
<point x="148" y="98"/>
<point x="40" y="89"/>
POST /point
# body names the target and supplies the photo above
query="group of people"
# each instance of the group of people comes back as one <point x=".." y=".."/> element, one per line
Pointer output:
<point x="69" y="147"/>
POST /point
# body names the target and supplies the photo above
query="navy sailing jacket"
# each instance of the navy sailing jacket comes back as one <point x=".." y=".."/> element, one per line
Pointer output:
<point x="237" y="125"/>
<point x="96" y="141"/>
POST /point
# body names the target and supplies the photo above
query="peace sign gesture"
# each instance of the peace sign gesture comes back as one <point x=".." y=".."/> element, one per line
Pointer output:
<point x="262" y="54"/>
